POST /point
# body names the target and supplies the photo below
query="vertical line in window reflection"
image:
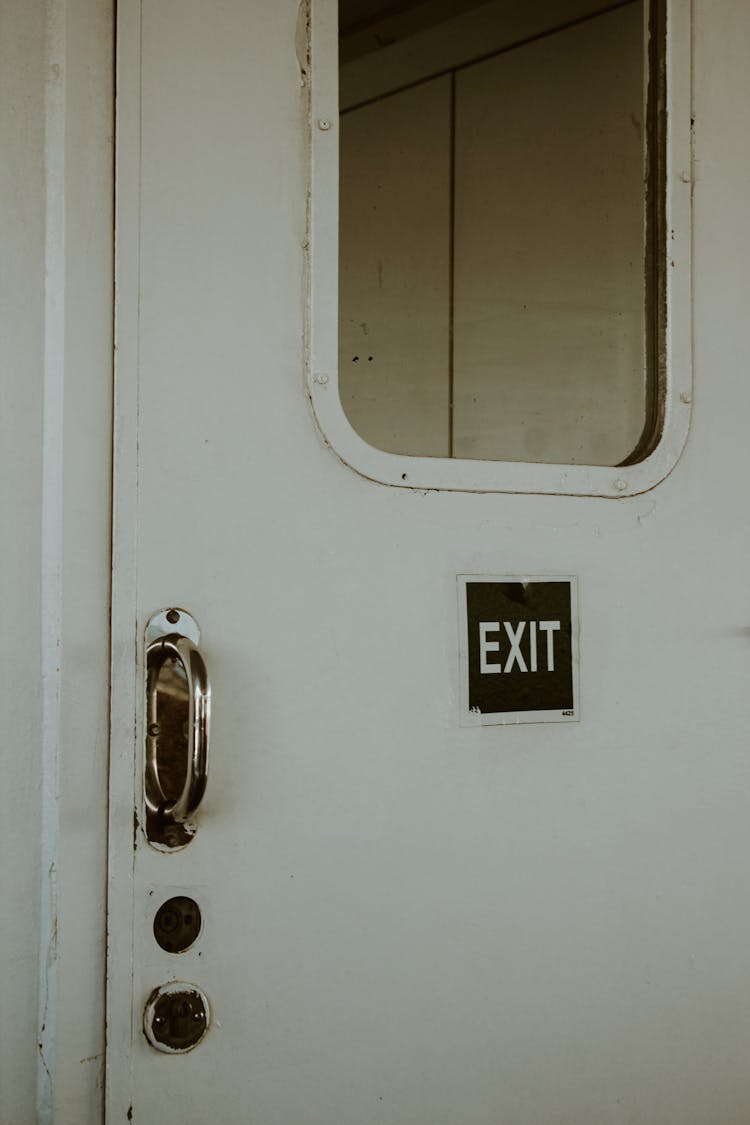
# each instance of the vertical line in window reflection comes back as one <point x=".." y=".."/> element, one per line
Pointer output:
<point x="451" y="263"/>
<point x="655" y="250"/>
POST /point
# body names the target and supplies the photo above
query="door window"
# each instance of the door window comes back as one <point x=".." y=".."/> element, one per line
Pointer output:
<point x="502" y="216"/>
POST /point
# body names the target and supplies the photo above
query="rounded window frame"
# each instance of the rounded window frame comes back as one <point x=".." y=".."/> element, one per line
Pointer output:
<point x="461" y="474"/>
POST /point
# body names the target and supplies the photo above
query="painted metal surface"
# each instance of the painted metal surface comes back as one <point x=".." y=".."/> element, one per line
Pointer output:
<point x="56" y="292"/>
<point x="407" y="920"/>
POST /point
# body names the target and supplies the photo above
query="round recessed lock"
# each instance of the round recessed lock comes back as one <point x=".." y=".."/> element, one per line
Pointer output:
<point x="176" y="1017"/>
<point x="177" y="924"/>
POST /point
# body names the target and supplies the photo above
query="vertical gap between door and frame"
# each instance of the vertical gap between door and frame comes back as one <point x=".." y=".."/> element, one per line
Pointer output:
<point x="451" y="266"/>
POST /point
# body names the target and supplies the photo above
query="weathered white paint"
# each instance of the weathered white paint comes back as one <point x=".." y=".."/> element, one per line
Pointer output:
<point x="85" y="560"/>
<point x="127" y="694"/>
<point x="407" y="921"/>
<point x="57" y="294"/>
<point x="53" y="395"/>
<point x="22" y="304"/>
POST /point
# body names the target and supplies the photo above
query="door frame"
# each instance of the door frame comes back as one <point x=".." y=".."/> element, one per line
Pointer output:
<point x="125" y="700"/>
<point x="65" y="111"/>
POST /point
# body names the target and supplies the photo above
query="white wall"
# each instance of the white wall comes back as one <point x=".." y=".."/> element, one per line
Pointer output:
<point x="56" y="322"/>
<point x="21" y="348"/>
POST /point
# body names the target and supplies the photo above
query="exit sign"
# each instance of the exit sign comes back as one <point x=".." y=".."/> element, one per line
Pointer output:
<point x="519" y="649"/>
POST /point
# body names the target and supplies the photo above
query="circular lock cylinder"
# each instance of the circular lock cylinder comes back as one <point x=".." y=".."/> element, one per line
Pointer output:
<point x="177" y="924"/>
<point x="176" y="1017"/>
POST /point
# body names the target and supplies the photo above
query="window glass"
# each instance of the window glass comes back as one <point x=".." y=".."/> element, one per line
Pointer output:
<point x="495" y="300"/>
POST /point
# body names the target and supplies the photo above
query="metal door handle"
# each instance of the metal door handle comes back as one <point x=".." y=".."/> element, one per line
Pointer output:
<point x="177" y="647"/>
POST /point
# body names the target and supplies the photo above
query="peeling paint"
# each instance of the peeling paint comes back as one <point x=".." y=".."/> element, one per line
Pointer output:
<point x="302" y="40"/>
<point x="646" y="513"/>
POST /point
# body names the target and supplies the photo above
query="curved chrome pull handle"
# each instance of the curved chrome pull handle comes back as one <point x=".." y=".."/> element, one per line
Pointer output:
<point x="184" y="753"/>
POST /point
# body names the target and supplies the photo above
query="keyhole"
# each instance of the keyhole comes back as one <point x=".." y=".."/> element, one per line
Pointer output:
<point x="177" y="924"/>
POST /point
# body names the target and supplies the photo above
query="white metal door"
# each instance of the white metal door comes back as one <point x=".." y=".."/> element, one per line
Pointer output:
<point x="405" y="919"/>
